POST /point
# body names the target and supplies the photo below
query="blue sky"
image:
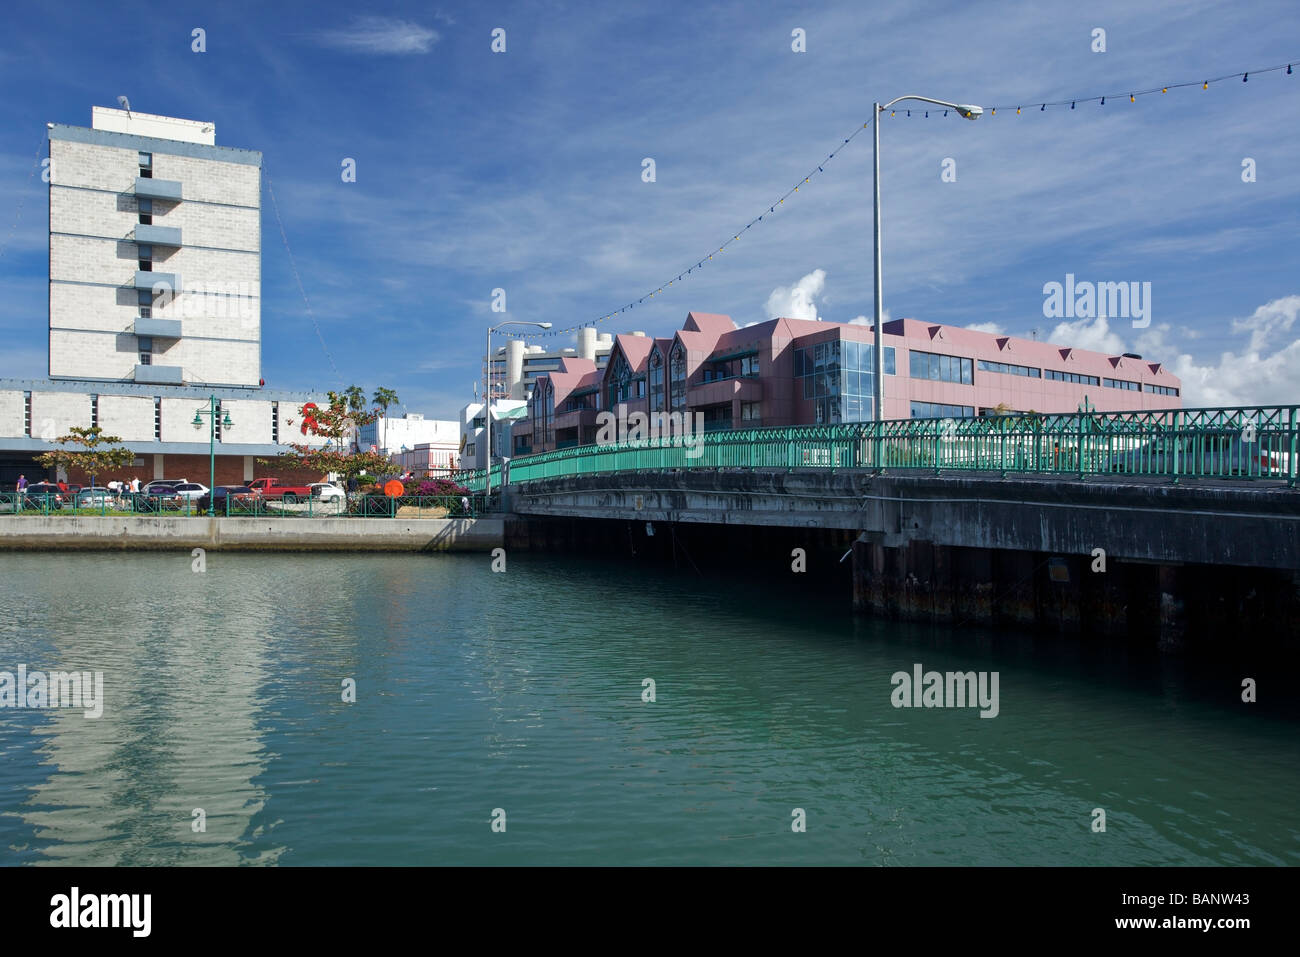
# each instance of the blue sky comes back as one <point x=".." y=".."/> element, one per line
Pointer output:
<point x="522" y="170"/>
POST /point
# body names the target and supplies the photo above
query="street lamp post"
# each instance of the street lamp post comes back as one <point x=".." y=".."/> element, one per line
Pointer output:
<point x="211" y="412"/>
<point x="967" y="111"/>
<point x="487" y="399"/>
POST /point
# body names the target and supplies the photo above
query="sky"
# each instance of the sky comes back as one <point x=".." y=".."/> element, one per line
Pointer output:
<point x="524" y="171"/>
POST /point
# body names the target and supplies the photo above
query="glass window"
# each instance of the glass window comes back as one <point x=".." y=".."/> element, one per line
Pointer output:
<point x="850" y="354"/>
<point x="967" y="371"/>
<point x="889" y="361"/>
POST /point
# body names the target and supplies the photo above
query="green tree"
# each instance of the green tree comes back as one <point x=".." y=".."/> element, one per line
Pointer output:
<point x="336" y="422"/>
<point x="89" y="450"/>
<point x="354" y="399"/>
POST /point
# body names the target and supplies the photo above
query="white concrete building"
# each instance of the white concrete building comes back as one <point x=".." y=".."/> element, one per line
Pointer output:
<point x="393" y="435"/>
<point x="155" y="253"/>
<point x="154" y="304"/>
<point x="473" y="440"/>
<point x="516" y="365"/>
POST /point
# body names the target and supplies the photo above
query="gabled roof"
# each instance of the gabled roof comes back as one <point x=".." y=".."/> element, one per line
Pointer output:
<point x="710" y="322"/>
<point x="635" y="349"/>
<point x="574" y="373"/>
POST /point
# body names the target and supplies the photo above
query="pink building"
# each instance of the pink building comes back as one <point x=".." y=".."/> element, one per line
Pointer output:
<point x="798" y="372"/>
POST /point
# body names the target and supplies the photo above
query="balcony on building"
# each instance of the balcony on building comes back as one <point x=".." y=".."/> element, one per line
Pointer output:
<point x="150" y="280"/>
<point x="158" y="375"/>
<point x="158" y="235"/>
<point x="148" y="188"/>
<point x="157" y="328"/>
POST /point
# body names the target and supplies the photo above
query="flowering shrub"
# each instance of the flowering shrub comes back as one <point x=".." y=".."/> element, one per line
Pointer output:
<point x="440" y="486"/>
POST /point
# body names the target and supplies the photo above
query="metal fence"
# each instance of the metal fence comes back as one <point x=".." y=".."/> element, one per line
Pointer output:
<point x="1240" y="444"/>
<point x="354" y="506"/>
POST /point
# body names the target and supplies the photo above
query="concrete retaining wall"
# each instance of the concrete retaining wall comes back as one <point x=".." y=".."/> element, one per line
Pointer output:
<point x="34" y="532"/>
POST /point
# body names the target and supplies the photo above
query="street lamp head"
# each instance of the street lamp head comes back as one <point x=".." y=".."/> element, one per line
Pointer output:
<point x="225" y="422"/>
<point x="970" y="111"/>
<point x="198" y="421"/>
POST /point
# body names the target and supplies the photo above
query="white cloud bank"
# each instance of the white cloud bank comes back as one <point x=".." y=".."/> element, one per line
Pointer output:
<point x="1266" y="371"/>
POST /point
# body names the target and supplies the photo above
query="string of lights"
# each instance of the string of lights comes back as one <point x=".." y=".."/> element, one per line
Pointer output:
<point x="1072" y="102"/>
<point x="1100" y="100"/>
<point x="293" y="265"/>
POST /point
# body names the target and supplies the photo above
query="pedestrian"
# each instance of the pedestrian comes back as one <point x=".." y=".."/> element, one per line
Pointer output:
<point x="22" y="482"/>
<point x="464" y="504"/>
<point x="63" y="486"/>
<point x="135" y="485"/>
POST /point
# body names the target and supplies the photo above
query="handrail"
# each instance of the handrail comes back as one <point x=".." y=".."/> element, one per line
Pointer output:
<point x="1246" y="443"/>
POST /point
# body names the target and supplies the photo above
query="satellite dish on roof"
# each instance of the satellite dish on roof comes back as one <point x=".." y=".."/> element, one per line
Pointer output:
<point x="125" y="104"/>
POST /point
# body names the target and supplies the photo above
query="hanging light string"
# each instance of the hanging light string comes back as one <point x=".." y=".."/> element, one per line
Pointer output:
<point x="1132" y="96"/>
<point x="22" y="196"/>
<point x="293" y="265"/>
<point x="705" y="260"/>
<point x="1129" y="95"/>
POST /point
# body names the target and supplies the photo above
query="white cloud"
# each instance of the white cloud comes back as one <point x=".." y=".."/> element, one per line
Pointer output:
<point x="1269" y="321"/>
<point x="798" y="301"/>
<point x="866" y="320"/>
<point x="1265" y="372"/>
<point x="380" y="35"/>
<point x="990" y="327"/>
<point x="1094" y="334"/>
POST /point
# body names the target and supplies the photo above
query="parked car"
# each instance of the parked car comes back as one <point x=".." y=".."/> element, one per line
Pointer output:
<point x="1211" y="454"/>
<point x="241" y="498"/>
<point x="43" y="495"/>
<point x="189" y="492"/>
<point x="327" y="492"/>
<point x="156" y="497"/>
<point x="272" y="488"/>
<point x="97" y="497"/>
<point x="162" y="483"/>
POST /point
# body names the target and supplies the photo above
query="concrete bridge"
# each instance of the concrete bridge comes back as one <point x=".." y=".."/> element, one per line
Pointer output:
<point x="1159" y="528"/>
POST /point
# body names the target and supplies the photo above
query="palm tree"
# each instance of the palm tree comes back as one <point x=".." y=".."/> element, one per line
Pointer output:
<point x="356" y="401"/>
<point x="382" y="399"/>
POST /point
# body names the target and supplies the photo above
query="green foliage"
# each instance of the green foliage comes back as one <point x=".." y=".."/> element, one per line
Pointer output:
<point x="89" y="450"/>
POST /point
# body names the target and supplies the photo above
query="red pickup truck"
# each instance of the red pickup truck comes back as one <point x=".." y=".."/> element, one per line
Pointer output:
<point x="270" y="488"/>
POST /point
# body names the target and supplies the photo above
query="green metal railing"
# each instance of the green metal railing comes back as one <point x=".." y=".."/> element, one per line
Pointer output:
<point x="1246" y="443"/>
<point x="355" y="506"/>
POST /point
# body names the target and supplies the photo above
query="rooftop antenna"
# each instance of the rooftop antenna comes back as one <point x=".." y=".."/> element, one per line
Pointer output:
<point x="125" y="104"/>
<point x="1034" y="333"/>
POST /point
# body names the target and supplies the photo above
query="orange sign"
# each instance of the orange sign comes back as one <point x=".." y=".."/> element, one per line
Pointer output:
<point x="394" y="488"/>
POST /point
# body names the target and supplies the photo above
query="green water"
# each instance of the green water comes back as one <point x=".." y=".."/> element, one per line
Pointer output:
<point x="523" y="691"/>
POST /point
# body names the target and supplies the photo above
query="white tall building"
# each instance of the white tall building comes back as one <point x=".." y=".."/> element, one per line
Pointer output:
<point x="154" y="305"/>
<point x="155" y="253"/>
<point x="515" y="366"/>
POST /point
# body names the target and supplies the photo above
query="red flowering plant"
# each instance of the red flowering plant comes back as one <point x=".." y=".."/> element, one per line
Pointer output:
<point x="336" y="422"/>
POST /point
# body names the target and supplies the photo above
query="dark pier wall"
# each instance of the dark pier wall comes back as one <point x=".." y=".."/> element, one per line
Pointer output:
<point x="1148" y="604"/>
<point x="1168" y="605"/>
